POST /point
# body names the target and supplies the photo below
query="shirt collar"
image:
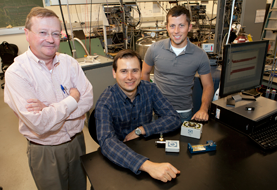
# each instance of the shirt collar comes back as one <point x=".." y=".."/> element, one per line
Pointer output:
<point x="122" y="95"/>
<point x="37" y="60"/>
<point x="189" y="48"/>
<point x="167" y="46"/>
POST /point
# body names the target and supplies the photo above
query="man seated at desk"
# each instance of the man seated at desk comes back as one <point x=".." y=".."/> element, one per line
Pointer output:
<point x="124" y="112"/>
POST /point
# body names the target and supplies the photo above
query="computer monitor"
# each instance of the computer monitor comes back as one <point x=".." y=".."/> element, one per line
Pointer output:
<point x="243" y="67"/>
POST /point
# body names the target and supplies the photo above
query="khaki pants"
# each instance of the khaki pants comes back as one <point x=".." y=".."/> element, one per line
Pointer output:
<point x="58" y="167"/>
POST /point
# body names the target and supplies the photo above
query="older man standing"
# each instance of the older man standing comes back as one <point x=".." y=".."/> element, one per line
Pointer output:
<point x="50" y="95"/>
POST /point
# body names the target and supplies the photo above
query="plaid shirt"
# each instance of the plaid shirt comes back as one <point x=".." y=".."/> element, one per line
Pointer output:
<point x="116" y="116"/>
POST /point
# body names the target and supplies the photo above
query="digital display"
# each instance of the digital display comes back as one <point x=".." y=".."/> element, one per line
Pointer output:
<point x="243" y="67"/>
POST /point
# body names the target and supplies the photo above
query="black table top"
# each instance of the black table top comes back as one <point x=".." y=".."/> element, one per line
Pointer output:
<point x="237" y="163"/>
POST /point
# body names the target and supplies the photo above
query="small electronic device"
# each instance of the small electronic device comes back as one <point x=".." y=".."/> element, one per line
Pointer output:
<point x="161" y="140"/>
<point x="172" y="146"/>
<point x="208" y="47"/>
<point x="249" y="108"/>
<point x="209" y="146"/>
<point x="192" y="129"/>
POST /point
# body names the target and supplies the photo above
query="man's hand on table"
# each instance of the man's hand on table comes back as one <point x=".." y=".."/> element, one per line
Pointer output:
<point x="201" y="115"/>
<point x="161" y="171"/>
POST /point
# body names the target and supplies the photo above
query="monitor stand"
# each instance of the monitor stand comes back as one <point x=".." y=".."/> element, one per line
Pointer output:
<point x="231" y="100"/>
<point x="237" y="97"/>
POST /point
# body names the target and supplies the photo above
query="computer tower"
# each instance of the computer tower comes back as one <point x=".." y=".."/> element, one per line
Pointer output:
<point x="239" y="117"/>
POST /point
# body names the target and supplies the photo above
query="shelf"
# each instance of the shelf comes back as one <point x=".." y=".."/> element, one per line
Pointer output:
<point x="270" y="39"/>
<point x="273" y="9"/>
<point x="270" y="57"/>
<point x="272" y="29"/>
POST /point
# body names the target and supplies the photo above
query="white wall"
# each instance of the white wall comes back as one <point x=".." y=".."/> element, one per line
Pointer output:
<point x="18" y="39"/>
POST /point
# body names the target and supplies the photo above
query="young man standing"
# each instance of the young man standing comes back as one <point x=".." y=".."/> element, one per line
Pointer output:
<point x="176" y="61"/>
<point x="124" y="112"/>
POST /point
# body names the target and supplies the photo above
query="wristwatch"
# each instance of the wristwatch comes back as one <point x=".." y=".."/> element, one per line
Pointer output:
<point x="138" y="131"/>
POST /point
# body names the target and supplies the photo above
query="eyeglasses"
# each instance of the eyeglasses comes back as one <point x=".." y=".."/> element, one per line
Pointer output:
<point x="44" y="34"/>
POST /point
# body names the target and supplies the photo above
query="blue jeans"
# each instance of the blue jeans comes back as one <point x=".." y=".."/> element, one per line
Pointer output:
<point x="186" y="116"/>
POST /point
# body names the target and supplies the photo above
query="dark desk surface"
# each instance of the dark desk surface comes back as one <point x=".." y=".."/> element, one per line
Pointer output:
<point x="237" y="164"/>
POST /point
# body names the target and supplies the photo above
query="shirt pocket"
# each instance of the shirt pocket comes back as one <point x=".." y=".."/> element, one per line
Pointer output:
<point x="65" y="87"/>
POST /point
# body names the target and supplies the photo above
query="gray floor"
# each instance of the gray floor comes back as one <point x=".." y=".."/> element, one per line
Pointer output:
<point x="14" y="170"/>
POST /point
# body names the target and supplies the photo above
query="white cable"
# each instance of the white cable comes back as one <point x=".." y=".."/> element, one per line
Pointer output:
<point x="189" y="11"/>
<point x="72" y="36"/>
<point x="231" y="19"/>
<point x="82" y="44"/>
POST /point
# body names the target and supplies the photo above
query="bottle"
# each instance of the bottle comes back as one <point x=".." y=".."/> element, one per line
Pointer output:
<point x="273" y="94"/>
<point x="241" y="37"/>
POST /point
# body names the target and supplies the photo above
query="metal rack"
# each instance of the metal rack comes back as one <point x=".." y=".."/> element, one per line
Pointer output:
<point x="270" y="28"/>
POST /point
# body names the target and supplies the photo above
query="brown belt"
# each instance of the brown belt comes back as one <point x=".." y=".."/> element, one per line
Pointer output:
<point x="72" y="138"/>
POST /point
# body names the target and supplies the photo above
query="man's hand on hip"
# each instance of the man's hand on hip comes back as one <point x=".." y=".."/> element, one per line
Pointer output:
<point x="161" y="171"/>
<point x="75" y="94"/>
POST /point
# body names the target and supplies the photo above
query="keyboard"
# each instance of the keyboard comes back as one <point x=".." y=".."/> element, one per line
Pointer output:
<point x="266" y="136"/>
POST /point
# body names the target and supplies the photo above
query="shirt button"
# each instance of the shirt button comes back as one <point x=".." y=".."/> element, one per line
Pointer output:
<point x="134" y="118"/>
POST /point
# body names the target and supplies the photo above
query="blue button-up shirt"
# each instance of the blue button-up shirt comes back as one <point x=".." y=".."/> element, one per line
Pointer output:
<point x="116" y="116"/>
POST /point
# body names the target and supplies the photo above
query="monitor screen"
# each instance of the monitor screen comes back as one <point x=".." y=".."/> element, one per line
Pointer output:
<point x="243" y="67"/>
